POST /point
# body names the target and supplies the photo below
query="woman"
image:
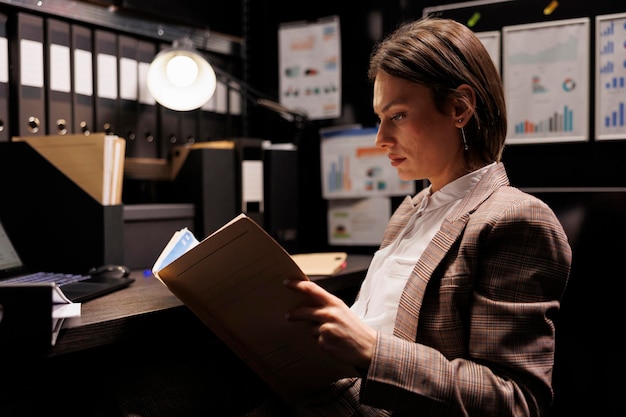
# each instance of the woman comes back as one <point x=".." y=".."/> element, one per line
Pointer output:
<point x="456" y="314"/>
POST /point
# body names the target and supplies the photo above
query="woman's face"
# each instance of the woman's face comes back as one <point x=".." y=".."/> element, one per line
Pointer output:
<point x="421" y="142"/>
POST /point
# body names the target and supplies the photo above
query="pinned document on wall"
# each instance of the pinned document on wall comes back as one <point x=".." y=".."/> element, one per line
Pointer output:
<point x="491" y="41"/>
<point x="357" y="222"/>
<point x="353" y="167"/>
<point x="546" y="81"/>
<point x="310" y="67"/>
<point x="95" y="162"/>
<point x="610" y="75"/>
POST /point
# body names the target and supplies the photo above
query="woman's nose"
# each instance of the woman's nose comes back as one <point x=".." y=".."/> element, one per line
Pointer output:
<point x="382" y="140"/>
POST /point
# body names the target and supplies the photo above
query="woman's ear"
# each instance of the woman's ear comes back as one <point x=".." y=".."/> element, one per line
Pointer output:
<point x="465" y="104"/>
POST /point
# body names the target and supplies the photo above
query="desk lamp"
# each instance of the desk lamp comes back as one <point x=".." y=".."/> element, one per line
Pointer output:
<point x="180" y="78"/>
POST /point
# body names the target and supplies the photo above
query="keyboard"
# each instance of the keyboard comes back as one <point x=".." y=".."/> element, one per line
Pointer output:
<point x="42" y="277"/>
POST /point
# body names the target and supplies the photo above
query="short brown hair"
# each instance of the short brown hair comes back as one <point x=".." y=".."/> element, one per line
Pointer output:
<point x="442" y="54"/>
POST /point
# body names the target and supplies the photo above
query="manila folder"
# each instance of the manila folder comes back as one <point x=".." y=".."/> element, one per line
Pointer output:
<point x="233" y="281"/>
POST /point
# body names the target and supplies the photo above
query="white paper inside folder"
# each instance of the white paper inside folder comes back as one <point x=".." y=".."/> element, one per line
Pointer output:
<point x="182" y="241"/>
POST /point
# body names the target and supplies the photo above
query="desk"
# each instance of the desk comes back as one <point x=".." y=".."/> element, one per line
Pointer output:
<point x="147" y="308"/>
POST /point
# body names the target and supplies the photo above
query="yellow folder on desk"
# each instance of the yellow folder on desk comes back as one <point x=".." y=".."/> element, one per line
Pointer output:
<point x="320" y="263"/>
<point x="95" y="162"/>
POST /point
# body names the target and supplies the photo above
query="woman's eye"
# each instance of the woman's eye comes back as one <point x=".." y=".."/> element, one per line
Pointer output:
<point x="398" y="116"/>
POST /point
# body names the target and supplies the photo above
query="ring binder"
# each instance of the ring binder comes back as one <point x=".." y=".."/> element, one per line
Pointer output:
<point x="59" y="81"/>
<point x="82" y="92"/>
<point x="29" y="72"/>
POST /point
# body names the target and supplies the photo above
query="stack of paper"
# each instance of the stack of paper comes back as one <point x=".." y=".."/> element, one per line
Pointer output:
<point x="95" y="162"/>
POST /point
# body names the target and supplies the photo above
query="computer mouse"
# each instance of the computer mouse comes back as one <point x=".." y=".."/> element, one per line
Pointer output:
<point x="113" y="271"/>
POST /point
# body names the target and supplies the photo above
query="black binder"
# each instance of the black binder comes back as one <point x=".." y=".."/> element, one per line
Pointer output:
<point x="4" y="87"/>
<point x="106" y="91"/>
<point x="54" y="223"/>
<point x="58" y="77"/>
<point x="146" y="144"/>
<point x="129" y="91"/>
<point x="82" y="70"/>
<point x="28" y="55"/>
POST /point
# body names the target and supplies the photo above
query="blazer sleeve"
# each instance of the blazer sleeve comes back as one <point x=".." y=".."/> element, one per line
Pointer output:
<point x="493" y="298"/>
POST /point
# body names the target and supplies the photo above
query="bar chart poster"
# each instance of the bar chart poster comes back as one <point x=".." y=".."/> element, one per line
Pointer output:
<point x="610" y="77"/>
<point x="353" y="167"/>
<point x="546" y="81"/>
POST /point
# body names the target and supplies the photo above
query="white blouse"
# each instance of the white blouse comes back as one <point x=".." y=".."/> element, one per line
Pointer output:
<point x="391" y="266"/>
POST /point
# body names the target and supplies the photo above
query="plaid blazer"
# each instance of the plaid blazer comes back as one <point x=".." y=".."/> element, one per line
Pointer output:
<point x="474" y="334"/>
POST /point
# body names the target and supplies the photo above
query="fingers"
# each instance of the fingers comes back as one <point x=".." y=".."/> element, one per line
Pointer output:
<point x="318" y="299"/>
<point x="313" y="291"/>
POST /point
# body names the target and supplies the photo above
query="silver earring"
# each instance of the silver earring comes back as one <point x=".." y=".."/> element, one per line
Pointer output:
<point x="461" y="120"/>
<point x="464" y="140"/>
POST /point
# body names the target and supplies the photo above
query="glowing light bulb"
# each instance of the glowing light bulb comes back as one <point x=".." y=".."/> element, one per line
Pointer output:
<point x="182" y="71"/>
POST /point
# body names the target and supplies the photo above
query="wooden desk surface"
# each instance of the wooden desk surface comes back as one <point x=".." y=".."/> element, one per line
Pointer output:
<point x="148" y="309"/>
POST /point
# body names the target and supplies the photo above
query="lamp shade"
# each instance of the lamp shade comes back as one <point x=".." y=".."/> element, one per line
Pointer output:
<point x="179" y="78"/>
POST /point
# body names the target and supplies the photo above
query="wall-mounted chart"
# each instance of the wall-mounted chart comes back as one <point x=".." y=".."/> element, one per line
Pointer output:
<point x="546" y="73"/>
<point x="610" y="76"/>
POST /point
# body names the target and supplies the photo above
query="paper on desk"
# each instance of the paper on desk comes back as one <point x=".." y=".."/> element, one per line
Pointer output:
<point x="63" y="311"/>
<point x="62" y="308"/>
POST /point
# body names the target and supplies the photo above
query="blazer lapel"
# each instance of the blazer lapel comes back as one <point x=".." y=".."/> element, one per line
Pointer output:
<point x="415" y="288"/>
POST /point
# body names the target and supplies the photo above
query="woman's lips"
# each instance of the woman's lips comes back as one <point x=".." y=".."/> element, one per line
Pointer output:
<point x="396" y="160"/>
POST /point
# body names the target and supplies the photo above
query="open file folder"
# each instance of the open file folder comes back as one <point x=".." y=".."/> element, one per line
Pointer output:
<point x="95" y="162"/>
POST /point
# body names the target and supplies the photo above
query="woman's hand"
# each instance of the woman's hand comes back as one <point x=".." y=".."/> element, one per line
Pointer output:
<point x="337" y="329"/>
